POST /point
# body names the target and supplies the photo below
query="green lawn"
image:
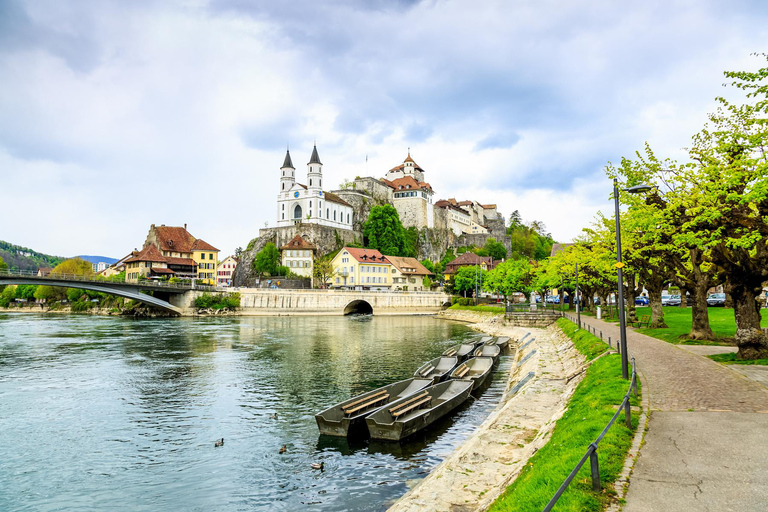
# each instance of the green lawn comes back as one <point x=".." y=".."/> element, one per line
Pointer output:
<point x="721" y="320"/>
<point x="481" y="309"/>
<point x="731" y="359"/>
<point x="589" y="410"/>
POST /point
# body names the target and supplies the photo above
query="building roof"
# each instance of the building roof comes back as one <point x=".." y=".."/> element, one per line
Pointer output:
<point x="315" y="159"/>
<point x="469" y="258"/>
<point x="448" y="205"/>
<point x="162" y="270"/>
<point x="201" y="245"/>
<point x="366" y="255"/>
<point x="407" y="183"/>
<point x="488" y="206"/>
<point x="409" y="266"/>
<point x="175" y="239"/>
<point x="287" y="162"/>
<point x="181" y="261"/>
<point x="148" y="253"/>
<point x="330" y="196"/>
<point x="298" y="242"/>
<point x="402" y="166"/>
<point x="556" y="248"/>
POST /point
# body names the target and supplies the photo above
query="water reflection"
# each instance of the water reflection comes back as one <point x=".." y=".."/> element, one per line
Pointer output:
<point x="119" y="414"/>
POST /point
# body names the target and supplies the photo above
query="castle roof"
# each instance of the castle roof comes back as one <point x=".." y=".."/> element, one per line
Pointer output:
<point x="407" y="183"/>
<point x="315" y="159"/>
<point x="287" y="162"/>
<point x="298" y="242"/>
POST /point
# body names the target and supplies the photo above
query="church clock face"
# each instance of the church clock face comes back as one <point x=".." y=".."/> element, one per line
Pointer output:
<point x="296" y="194"/>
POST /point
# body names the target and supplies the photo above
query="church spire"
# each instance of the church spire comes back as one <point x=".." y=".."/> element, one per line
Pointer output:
<point x="315" y="158"/>
<point x="287" y="163"/>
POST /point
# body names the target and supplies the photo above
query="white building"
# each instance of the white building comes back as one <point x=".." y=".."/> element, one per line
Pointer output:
<point x="298" y="203"/>
<point x="298" y="255"/>
<point x="224" y="271"/>
<point x="411" y="195"/>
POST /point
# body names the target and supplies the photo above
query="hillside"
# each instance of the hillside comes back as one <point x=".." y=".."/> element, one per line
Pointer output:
<point x="24" y="258"/>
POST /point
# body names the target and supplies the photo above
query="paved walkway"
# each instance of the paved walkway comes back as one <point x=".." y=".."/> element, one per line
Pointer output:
<point x="706" y="445"/>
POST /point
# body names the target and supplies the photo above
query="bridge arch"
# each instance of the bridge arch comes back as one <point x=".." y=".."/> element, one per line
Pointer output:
<point x="358" y="307"/>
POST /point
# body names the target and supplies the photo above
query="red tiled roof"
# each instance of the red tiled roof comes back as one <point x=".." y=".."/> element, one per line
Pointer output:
<point x="201" y="245"/>
<point x="488" y="206"/>
<point x="161" y="270"/>
<point x="409" y="266"/>
<point x="445" y="204"/>
<point x="176" y="239"/>
<point x="366" y="255"/>
<point x="407" y="183"/>
<point x="148" y="253"/>
<point x="466" y="259"/>
<point x="180" y="261"/>
<point x="298" y="242"/>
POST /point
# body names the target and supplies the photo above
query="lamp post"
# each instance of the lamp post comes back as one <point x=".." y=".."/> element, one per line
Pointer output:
<point x="619" y="265"/>
<point x="576" y="299"/>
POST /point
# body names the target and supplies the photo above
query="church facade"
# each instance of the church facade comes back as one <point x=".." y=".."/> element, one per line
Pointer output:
<point x="298" y="203"/>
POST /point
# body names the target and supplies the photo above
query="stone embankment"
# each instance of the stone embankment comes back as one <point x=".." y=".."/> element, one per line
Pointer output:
<point x="537" y="395"/>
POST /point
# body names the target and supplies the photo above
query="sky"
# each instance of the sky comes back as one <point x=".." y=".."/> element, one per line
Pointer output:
<point x="115" y="115"/>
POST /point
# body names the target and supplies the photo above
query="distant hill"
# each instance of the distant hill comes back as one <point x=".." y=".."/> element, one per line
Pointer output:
<point x="97" y="259"/>
<point x="24" y="258"/>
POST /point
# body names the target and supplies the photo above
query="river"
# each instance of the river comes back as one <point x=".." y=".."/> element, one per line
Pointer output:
<point x="108" y="413"/>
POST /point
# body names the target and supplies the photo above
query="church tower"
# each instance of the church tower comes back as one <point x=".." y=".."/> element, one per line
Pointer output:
<point x="315" y="182"/>
<point x="287" y="173"/>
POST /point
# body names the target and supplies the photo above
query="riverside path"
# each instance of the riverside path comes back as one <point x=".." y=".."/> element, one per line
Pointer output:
<point x="705" y="448"/>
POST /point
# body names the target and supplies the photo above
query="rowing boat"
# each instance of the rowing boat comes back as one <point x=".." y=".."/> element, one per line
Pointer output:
<point x="462" y="351"/>
<point x="478" y="369"/>
<point x="409" y="415"/>
<point x="436" y="369"/>
<point x="502" y="342"/>
<point x="491" y="351"/>
<point x="348" y="417"/>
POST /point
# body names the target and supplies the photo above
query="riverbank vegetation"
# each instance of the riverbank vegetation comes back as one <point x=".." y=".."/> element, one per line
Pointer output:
<point x="589" y="411"/>
<point x="218" y="301"/>
<point x="480" y="309"/>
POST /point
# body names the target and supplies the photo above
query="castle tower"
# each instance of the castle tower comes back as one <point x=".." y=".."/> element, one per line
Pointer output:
<point x="315" y="183"/>
<point x="287" y="173"/>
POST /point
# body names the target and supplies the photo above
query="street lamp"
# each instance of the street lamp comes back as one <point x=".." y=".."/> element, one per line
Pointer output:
<point x="619" y="265"/>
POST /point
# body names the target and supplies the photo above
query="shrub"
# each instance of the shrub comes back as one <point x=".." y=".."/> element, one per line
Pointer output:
<point x="218" y="301"/>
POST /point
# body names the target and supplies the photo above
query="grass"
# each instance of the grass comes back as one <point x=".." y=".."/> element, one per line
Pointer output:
<point x="589" y="410"/>
<point x="731" y="359"/>
<point x="481" y="309"/>
<point x="721" y="321"/>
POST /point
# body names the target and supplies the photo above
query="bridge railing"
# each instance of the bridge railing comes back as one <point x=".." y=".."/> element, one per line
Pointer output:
<point x="56" y="277"/>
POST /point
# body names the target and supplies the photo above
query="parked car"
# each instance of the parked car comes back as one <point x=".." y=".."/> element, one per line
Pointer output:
<point x="553" y="299"/>
<point x="716" y="299"/>
<point x="670" y="300"/>
<point x="641" y="301"/>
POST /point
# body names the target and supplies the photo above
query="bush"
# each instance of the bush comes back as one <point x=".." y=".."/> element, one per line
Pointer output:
<point x="462" y="301"/>
<point x="80" y="306"/>
<point x="218" y="301"/>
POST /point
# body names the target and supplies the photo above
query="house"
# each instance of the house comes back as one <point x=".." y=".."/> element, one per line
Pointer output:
<point x="469" y="259"/>
<point x="118" y="266"/>
<point x="150" y="263"/>
<point x="224" y="271"/>
<point x="299" y="256"/>
<point x="44" y="272"/>
<point x="361" y="269"/>
<point x="408" y="273"/>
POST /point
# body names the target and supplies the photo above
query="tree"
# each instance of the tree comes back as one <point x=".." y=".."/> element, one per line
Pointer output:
<point x="509" y="277"/>
<point x="467" y="278"/>
<point x="3" y="264"/>
<point x="323" y="271"/>
<point x="494" y="249"/>
<point x="428" y="265"/>
<point x="267" y="260"/>
<point x="515" y="219"/>
<point x="384" y="232"/>
<point x="411" y="248"/>
<point x="72" y="266"/>
<point x="26" y="291"/>
<point x="7" y="295"/>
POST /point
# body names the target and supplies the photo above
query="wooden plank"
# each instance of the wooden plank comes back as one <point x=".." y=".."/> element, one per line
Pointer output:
<point x="464" y="372"/>
<point x="367" y="404"/>
<point x="426" y="370"/>
<point x="364" y="399"/>
<point x="414" y="405"/>
<point x="420" y="395"/>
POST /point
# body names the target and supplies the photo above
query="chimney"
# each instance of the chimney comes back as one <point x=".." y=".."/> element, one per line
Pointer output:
<point x="185" y="226"/>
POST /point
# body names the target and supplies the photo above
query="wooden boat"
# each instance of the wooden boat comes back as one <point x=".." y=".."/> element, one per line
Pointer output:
<point x="409" y="415"/>
<point x="502" y="342"/>
<point x="485" y="340"/>
<point x="437" y="369"/>
<point x="478" y="369"/>
<point x="491" y="351"/>
<point x="348" y="417"/>
<point x="462" y="351"/>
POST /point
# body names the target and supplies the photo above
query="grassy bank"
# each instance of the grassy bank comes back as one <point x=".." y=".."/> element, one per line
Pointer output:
<point x="479" y="309"/>
<point x="721" y="321"/>
<point x="731" y="359"/>
<point x="589" y="410"/>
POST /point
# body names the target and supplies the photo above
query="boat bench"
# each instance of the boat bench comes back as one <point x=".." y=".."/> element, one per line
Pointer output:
<point x="426" y="371"/>
<point x="424" y="401"/>
<point x="377" y="400"/>
<point x="461" y="371"/>
<point x="406" y="406"/>
<point x="450" y="352"/>
<point x="377" y="396"/>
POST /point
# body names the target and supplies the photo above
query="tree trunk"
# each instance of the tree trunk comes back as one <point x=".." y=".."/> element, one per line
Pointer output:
<point x="657" y="312"/>
<point x="629" y="300"/>
<point x="683" y="300"/>
<point x="700" y="329"/>
<point x="750" y="338"/>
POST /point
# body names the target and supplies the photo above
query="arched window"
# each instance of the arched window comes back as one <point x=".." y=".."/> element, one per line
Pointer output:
<point x="310" y="182"/>
<point x="297" y="212"/>
<point x="283" y="184"/>
<point x="283" y="216"/>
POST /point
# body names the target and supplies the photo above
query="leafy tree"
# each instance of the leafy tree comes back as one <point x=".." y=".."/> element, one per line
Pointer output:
<point x="494" y="249"/>
<point x="26" y="291"/>
<point x="509" y="277"/>
<point x="323" y="271"/>
<point x="515" y="219"/>
<point x="411" y="242"/>
<point x="467" y="278"/>
<point x="3" y="264"/>
<point x="72" y="266"/>
<point x="7" y="295"/>
<point x="384" y="232"/>
<point x="267" y="260"/>
<point x="428" y="265"/>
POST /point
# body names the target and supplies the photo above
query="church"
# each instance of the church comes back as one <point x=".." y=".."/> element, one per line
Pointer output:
<point x="298" y="203"/>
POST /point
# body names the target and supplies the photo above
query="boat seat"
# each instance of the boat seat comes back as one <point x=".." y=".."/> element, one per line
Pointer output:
<point x="407" y="402"/>
<point x="365" y="398"/>
<point x="426" y="400"/>
<point x="450" y="352"/>
<point x="365" y="405"/>
<point x="458" y="370"/>
<point x="426" y="371"/>
<point x="463" y="372"/>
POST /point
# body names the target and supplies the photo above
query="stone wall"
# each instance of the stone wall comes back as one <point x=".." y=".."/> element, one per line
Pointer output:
<point x="374" y="188"/>
<point x="412" y="211"/>
<point x="532" y="318"/>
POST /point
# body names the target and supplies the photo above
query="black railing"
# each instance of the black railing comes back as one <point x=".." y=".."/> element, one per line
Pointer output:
<point x="57" y="277"/>
<point x="592" y="450"/>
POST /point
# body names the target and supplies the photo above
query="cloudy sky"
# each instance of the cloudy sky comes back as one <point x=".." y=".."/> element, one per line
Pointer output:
<point x="116" y="115"/>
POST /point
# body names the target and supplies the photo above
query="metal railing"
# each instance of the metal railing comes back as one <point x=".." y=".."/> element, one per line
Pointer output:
<point x="525" y="307"/>
<point x="592" y="450"/>
<point x="56" y="277"/>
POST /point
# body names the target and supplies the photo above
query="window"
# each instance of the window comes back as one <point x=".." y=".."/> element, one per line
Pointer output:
<point x="283" y="217"/>
<point x="334" y="214"/>
<point x="347" y="218"/>
<point x="283" y="205"/>
<point x="297" y="212"/>
<point x="310" y="182"/>
<point x="310" y="203"/>
<point x="327" y="213"/>
<point x="352" y="280"/>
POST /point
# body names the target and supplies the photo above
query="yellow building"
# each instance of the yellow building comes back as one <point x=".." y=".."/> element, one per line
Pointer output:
<point x="408" y="274"/>
<point x="361" y="269"/>
<point x="206" y="257"/>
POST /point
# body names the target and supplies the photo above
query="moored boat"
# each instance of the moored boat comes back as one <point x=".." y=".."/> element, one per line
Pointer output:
<point x="348" y="417"/>
<point x="491" y="351"/>
<point x="409" y="415"/>
<point x="478" y="369"/>
<point x="502" y="342"/>
<point x="436" y="369"/>
<point x="485" y="340"/>
<point x="462" y="351"/>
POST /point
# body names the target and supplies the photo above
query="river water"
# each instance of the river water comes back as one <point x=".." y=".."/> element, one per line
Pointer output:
<point x="105" y="413"/>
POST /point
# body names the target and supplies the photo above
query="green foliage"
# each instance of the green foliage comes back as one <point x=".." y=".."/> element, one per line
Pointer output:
<point x="24" y="258"/>
<point x="426" y="282"/>
<point x="323" y="271"/>
<point x="467" y="278"/>
<point x="72" y="266"/>
<point x="466" y="305"/>
<point x="448" y="257"/>
<point x="26" y="291"/>
<point x="218" y="301"/>
<point x="509" y="277"/>
<point x="732" y="358"/>
<point x="384" y="232"/>
<point x="494" y="249"/>
<point x="74" y="294"/>
<point x="411" y="248"/>
<point x="3" y="264"/>
<point x="7" y="295"/>
<point x="589" y="410"/>
<point x="267" y="260"/>
<point x="428" y="265"/>
<point x="81" y="306"/>
<point x="251" y="244"/>
<point x="679" y="320"/>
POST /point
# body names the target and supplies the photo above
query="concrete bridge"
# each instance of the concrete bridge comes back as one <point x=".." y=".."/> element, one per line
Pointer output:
<point x="170" y="297"/>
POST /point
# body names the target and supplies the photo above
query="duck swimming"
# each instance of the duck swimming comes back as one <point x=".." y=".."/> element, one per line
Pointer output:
<point x="283" y="449"/>
<point x="319" y="466"/>
<point x="273" y="416"/>
<point x="219" y="443"/>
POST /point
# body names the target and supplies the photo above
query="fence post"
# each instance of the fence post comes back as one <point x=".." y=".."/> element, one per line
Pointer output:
<point x="595" y="467"/>
<point x="628" y="413"/>
<point x="609" y="342"/>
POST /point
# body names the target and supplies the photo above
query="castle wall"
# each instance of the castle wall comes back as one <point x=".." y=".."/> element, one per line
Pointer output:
<point x="412" y="211"/>
<point x="374" y="188"/>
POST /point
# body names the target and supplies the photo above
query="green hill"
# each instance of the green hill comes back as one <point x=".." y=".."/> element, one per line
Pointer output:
<point x="23" y="258"/>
